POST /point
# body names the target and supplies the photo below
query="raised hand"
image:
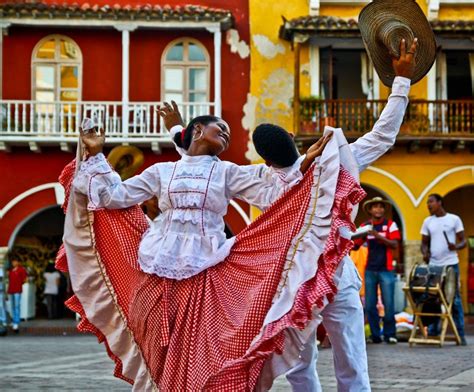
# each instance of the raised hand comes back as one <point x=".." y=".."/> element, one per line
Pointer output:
<point x="170" y="114"/>
<point x="93" y="141"/>
<point x="405" y="64"/>
<point x="315" y="151"/>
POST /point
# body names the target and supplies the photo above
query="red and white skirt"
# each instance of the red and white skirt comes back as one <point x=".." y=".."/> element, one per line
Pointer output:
<point x="226" y="328"/>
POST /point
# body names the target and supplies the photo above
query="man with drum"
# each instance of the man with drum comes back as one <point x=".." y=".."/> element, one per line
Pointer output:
<point x="442" y="236"/>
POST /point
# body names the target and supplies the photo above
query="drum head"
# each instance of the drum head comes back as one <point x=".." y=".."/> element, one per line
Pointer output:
<point x="449" y="288"/>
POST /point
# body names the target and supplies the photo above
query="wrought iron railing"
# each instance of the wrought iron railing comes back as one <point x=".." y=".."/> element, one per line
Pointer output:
<point x="422" y="118"/>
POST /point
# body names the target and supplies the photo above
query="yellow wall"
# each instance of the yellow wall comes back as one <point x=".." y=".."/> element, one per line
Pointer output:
<point x="406" y="178"/>
<point x="449" y="12"/>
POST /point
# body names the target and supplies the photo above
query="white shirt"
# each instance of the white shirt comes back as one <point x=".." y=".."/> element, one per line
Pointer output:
<point x="51" y="282"/>
<point x="438" y="228"/>
<point x="369" y="148"/>
<point x="193" y="195"/>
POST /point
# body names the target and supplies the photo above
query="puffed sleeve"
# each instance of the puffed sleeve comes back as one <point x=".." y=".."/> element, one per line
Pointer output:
<point x="105" y="189"/>
<point x="259" y="185"/>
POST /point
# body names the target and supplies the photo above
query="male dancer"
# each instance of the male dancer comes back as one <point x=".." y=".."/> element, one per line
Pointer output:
<point x="344" y="317"/>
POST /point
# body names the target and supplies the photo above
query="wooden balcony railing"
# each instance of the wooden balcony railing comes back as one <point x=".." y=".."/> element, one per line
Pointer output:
<point x="422" y="118"/>
<point x="33" y="121"/>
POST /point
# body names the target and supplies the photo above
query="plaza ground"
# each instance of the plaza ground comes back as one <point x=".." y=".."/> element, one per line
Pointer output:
<point x="78" y="363"/>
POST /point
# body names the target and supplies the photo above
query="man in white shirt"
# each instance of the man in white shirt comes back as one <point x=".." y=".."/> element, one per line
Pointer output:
<point x="442" y="236"/>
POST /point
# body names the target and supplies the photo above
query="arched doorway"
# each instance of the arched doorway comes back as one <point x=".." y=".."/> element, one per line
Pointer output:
<point x="35" y="243"/>
<point x="395" y="215"/>
<point x="459" y="202"/>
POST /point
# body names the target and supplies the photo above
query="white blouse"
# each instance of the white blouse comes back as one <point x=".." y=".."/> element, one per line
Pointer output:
<point x="193" y="195"/>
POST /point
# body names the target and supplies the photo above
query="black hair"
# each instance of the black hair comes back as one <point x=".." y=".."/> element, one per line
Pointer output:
<point x="50" y="268"/>
<point x="438" y="197"/>
<point x="188" y="131"/>
<point x="275" y="145"/>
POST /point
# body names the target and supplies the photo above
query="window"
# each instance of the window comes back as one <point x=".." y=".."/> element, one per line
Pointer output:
<point x="185" y="76"/>
<point x="56" y="70"/>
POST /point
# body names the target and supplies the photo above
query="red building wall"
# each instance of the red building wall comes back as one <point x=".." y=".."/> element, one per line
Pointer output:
<point x="101" y="81"/>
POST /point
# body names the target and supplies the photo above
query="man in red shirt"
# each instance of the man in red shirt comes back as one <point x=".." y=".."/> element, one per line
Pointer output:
<point x="382" y="240"/>
<point x="16" y="277"/>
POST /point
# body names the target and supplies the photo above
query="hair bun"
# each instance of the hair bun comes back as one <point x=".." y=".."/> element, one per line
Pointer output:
<point x="178" y="140"/>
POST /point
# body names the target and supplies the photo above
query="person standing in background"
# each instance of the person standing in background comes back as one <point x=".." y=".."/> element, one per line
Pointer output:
<point x="382" y="241"/>
<point x="51" y="290"/>
<point x="16" y="277"/>
<point x="3" y="313"/>
<point x="442" y="236"/>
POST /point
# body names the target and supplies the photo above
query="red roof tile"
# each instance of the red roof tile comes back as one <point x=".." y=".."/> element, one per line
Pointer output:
<point x="20" y="9"/>
<point x="332" y="25"/>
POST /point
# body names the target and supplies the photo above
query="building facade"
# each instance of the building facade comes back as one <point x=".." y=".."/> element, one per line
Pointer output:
<point x="117" y="62"/>
<point x="309" y="68"/>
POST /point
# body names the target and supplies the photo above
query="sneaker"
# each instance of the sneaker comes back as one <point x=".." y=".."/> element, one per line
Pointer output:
<point x="15" y="328"/>
<point x="391" y="340"/>
<point x="374" y="340"/>
<point x="463" y="341"/>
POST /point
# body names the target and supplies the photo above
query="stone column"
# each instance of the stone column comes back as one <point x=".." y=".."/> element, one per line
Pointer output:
<point x="412" y="254"/>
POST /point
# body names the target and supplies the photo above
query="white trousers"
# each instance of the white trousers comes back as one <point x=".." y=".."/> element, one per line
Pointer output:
<point x="344" y="322"/>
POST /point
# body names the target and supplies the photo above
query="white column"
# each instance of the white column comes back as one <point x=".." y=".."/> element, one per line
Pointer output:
<point x="314" y="7"/>
<point x="314" y="69"/>
<point x="431" y="79"/>
<point x="3" y="30"/>
<point x="217" y="72"/>
<point x="125" y="29"/>
<point x="376" y="82"/>
<point x="433" y="9"/>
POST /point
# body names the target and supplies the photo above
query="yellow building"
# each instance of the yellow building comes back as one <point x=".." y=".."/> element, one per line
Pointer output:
<point x="309" y="68"/>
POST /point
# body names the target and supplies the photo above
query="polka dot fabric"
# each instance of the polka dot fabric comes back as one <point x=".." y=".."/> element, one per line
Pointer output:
<point x="198" y="333"/>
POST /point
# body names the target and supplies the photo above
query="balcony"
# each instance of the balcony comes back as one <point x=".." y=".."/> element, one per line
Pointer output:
<point x="425" y="122"/>
<point x="37" y="124"/>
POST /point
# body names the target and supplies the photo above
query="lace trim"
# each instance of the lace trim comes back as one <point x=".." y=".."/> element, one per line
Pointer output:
<point x="183" y="267"/>
<point x="93" y="162"/>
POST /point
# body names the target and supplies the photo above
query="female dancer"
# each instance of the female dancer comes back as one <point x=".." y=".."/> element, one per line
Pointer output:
<point x="195" y="311"/>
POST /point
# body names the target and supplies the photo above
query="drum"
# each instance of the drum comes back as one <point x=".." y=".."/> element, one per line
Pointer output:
<point x="426" y="276"/>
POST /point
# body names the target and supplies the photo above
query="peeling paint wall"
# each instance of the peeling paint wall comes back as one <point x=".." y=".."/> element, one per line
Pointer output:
<point x="272" y="63"/>
<point x="266" y="47"/>
<point x="236" y="45"/>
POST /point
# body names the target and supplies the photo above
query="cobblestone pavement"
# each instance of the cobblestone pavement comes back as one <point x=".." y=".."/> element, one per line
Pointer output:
<point x="78" y="363"/>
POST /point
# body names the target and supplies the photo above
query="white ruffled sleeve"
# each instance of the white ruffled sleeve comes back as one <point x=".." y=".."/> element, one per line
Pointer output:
<point x="105" y="189"/>
<point x="260" y="185"/>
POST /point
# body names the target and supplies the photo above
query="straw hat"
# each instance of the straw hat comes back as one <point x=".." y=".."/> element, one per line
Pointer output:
<point x="126" y="160"/>
<point x="383" y="23"/>
<point x="375" y="200"/>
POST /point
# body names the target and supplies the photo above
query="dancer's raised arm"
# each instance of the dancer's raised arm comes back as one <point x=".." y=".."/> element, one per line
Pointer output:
<point x="103" y="185"/>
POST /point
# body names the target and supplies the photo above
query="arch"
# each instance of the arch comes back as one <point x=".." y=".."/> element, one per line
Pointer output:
<point x="416" y="201"/>
<point x="241" y="212"/>
<point x="58" y="191"/>
<point x="395" y="205"/>
<point x="25" y="221"/>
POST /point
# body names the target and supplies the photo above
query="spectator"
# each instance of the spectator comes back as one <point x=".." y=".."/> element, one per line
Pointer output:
<point x="51" y="290"/>
<point x="16" y="277"/>
<point x="3" y="314"/>
<point x="382" y="240"/>
<point x="442" y="236"/>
